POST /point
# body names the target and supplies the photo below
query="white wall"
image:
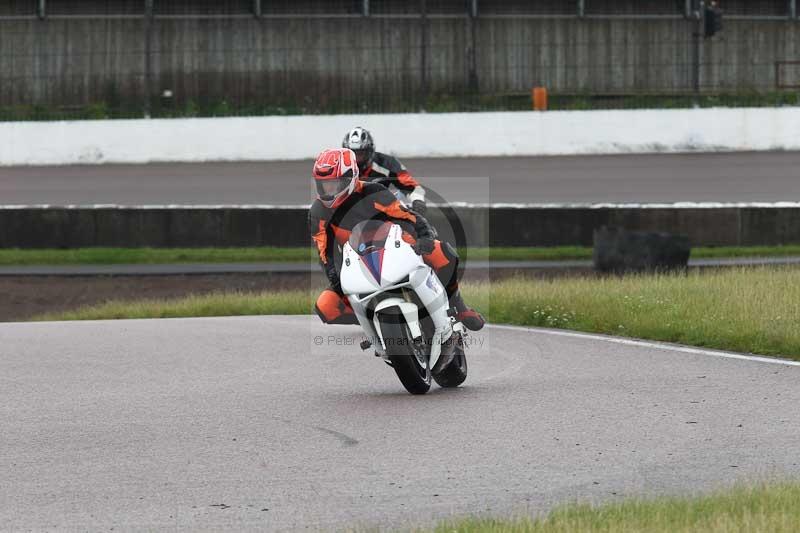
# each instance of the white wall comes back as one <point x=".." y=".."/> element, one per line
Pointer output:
<point x="408" y="135"/>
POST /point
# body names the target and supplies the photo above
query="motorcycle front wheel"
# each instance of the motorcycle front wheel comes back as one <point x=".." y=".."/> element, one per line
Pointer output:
<point x="410" y="361"/>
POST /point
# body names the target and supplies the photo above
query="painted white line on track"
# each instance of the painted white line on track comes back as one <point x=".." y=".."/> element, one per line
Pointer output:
<point x="649" y="344"/>
<point x="674" y="205"/>
<point x="629" y="205"/>
<point x="160" y="206"/>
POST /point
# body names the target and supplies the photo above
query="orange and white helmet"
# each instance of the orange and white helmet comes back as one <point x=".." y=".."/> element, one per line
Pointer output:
<point x="335" y="176"/>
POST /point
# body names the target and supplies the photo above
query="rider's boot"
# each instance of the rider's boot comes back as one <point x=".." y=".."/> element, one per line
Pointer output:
<point x="449" y="350"/>
<point x="471" y="319"/>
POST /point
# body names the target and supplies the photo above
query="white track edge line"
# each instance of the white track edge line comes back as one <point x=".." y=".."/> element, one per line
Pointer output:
<point x="479" y="205"/>
<point x="649" y="344"/>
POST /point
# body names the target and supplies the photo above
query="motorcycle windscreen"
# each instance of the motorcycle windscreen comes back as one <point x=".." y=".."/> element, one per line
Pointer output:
<point x="367" y="240"/>
<point x="369" y="236"/>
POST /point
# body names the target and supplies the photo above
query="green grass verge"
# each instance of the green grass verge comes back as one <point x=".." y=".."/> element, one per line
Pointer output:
<point x="114" y="105"/>
<point x="292" y="302"/>
<point x="118" y="256"/>
<point x="708" y="252"/>
<point x="108" y="256"/>
<point x="753" y="310"/>
<point x="765" y="508"/>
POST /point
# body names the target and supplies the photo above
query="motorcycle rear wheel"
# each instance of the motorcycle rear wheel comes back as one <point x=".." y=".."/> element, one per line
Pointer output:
<point x="406" y="357"/>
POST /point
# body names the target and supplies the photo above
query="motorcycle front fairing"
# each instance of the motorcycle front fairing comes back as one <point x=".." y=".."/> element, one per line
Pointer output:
<point x="377" y="259"/>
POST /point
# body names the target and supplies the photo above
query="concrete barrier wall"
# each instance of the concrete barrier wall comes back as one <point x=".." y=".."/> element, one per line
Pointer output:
<point x="411" y="135"/>
<point x="495" y="226"/>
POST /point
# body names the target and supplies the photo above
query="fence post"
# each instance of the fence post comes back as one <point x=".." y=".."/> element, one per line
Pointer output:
<point x="257" y="9"/>
<point x="581" y="8"/>
<point x="697" y="39"/>
<point x="365" y="7"/>
<point x="472" y="53"/>
<point x="687" y="9"/>
<point x="148" y="63"/>
<point x="41" y="9"/>
<point x="793" y="9"/>
<point x="424" y="52"/>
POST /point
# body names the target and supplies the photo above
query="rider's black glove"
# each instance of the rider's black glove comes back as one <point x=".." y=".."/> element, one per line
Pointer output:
<point x="418" y="206"/>
<point x="424" y="245"/>
<point x="333" y="277"/>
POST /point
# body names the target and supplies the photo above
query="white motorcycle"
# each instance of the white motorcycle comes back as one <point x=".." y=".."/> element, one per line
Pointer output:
<point x="402" y="307"/>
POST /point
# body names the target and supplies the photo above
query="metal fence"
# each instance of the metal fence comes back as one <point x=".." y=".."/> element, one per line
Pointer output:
<point x="129" y="58"/>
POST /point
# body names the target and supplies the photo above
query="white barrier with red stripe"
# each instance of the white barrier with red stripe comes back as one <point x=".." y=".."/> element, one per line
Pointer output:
<point x="408" y="135"/>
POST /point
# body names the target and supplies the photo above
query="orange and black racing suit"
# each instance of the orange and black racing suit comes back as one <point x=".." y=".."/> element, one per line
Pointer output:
<point x="332" y="227"/>
<point x="388" y="170"/>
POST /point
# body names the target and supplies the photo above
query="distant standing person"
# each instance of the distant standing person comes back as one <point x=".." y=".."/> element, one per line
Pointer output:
<point x="384" y="169"/>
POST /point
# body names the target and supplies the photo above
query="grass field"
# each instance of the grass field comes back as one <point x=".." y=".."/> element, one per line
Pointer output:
<point x="753" y="310"/>
<point x="295" y="302"/>
<point x="106" y="256"/>
<point x="114" y="256"/>
<point x="760" y="509"/>
<point x="741" y="309"/>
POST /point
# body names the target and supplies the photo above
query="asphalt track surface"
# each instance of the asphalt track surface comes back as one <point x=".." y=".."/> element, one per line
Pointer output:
<point x="729" y="177"/>
<point x="247" y="423"/>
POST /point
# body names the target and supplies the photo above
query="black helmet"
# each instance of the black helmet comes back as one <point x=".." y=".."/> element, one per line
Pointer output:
<point x="360" y="141"/>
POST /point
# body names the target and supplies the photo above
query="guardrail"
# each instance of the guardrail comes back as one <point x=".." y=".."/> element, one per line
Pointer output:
<point x="496" y="225"/>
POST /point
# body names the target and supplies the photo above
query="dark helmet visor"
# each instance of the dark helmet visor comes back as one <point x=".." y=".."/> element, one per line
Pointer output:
<point x="328" y="189"/>
<point x="363" y="156"/>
